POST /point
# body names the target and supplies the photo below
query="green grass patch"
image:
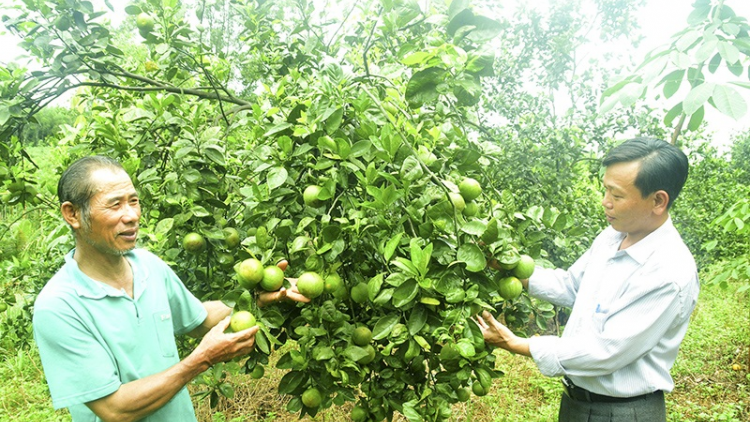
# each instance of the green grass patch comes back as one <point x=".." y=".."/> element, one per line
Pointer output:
<point x="23" y="393"/>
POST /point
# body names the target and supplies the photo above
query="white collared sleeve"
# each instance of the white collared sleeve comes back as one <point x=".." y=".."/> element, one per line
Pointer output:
<point x="635" y="325"/>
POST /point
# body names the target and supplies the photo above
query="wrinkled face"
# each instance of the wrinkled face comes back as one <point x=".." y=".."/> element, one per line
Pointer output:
<point x="626" y="209"/>
<point x="114" y="213"/>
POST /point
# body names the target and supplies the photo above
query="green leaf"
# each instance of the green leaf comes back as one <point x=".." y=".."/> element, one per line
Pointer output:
<point x="466" y="348"/>
<point x="699" y="14"/>
<point x="406" y="266"/>
<point x="199" y="211"/>
<point x="696" y="119"/>
<point x="384" y="326"/>
<point x="713" y="65"/>
<point x="672" y="114"/>
<point x="672" y="82"/>
<point x="322" y="352"/>
<point x="333" y="122"/>
<point x="420" y="258"/>
<point x="728" y="52"/>
<point x="164" y="226"/>
<point x="4" y="115"/>
<point x="728" y="101"/>
<point x="215" y="154"/>
<point x="410" y="411"/>
<point x="485" y="30"/>
<point x="536" y="213"/>
<point x="132" y="9"/>
<point x="472" y="256"/>
<point x="352" y="352"/>
<point x="411" y="170"/>
<point x="294" y="380"/>
<point x="687" y="40"/>
<point x="474" y="227"/>
<point x="456" y="7"/>
<point x="697" y="97"/>
<point x="262" y="342"/>
<point x="417" y="319"/>
<point x="278" y="128"/>
<point x="405" y="293"/>
<point x="416" y="58"/>
<point x="276" y="177"/>
<point x="136" y="113"/>
<point x="390" y="247"/>
<point x="422" y="86"/>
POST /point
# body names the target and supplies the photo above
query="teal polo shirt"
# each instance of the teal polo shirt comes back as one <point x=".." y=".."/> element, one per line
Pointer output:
<point x="93" y="338"/>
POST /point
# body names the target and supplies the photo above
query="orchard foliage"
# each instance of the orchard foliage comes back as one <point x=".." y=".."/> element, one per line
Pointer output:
<point x="715" y="41"/>
<point x="226" y="116"/>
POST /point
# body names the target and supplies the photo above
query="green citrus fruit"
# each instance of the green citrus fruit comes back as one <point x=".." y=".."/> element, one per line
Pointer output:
<point x="310" y="284"/>
<point x="362" y="336"/>
<point x="310" y="196"/>
<point x="193" y="242"/>
<point x="426" y="156"/>
<point x="241" y="320"/>
<point x="332" y="283"/>
<point x="458" y="202"/>
<point x="369" y="357"/>
<point x="463" y="394"/>
<point x="258" y="372"/>
<point x="470" y="189"/>
<point x="471" y="209"/>
<point x="249" y="273"/>
<point x="525" y="267"/>
<point x="359" y="414"/>
<point x="273" y="278"/>
<point x="312" y="397"/>
<point x="3" y="306"/>
<point x="510" y="288"/>
<point x="144" y="22"/>
<point x="231" y="237"/>
<point x="359" y="293"/>
<point x="479" y="389"/>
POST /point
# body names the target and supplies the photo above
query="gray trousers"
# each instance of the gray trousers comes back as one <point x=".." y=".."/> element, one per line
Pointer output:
<point x="650" y="409"/>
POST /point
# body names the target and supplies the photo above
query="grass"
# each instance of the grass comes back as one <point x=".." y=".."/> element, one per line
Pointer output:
<point x="23" y="393"/>
<point x="708" y="385"/>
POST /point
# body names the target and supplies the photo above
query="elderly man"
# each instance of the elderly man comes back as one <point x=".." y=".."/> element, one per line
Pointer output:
<point x="631" y="296"/>
<point x="105" y="324"/>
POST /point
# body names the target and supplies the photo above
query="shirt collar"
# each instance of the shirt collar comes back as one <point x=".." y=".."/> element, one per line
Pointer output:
<point x="86" y="286"/>
<point x="643" y="249"/>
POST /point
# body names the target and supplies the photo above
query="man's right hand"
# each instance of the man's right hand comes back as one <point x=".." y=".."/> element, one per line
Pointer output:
<point x="218" y="346"/>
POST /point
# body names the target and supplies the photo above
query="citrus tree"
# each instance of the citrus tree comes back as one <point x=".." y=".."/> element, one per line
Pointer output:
<point x="356" y="155"/>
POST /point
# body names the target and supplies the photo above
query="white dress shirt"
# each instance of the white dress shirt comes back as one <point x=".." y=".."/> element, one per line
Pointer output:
<point x="630" y="312"/>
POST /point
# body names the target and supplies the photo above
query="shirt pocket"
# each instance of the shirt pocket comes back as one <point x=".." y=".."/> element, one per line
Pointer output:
<point x="165" y="333"/>
<point x="599" y="319"/>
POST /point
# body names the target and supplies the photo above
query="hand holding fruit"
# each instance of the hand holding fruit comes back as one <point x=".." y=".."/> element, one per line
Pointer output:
<point x="281" y="293"/>
<point x="219" y="346"/>
<point x="499" y="335"/>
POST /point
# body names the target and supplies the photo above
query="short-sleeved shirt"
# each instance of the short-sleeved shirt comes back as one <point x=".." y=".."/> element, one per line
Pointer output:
<point x="93" y="338"/>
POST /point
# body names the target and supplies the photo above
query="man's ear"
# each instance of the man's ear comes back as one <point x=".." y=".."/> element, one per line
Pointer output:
<point x="71" y="214"/>
<point x="661" y="202"/>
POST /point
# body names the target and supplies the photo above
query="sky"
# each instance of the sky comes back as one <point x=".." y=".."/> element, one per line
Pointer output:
<point x="659" y="20"/>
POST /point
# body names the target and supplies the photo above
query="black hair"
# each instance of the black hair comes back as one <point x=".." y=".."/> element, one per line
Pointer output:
<point x="663" y="165"/>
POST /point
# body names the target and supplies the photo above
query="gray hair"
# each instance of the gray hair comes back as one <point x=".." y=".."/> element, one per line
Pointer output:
<point x="75" y="185"/>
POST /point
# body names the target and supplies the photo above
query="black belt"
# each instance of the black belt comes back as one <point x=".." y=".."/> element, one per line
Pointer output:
<point x="581" y="394"/>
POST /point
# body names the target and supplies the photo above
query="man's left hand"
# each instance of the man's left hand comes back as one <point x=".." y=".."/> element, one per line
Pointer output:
<point x="499" y="335"/>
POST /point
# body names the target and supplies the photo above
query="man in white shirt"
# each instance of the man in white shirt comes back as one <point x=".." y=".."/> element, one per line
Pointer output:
<point x="631" y="296"/>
